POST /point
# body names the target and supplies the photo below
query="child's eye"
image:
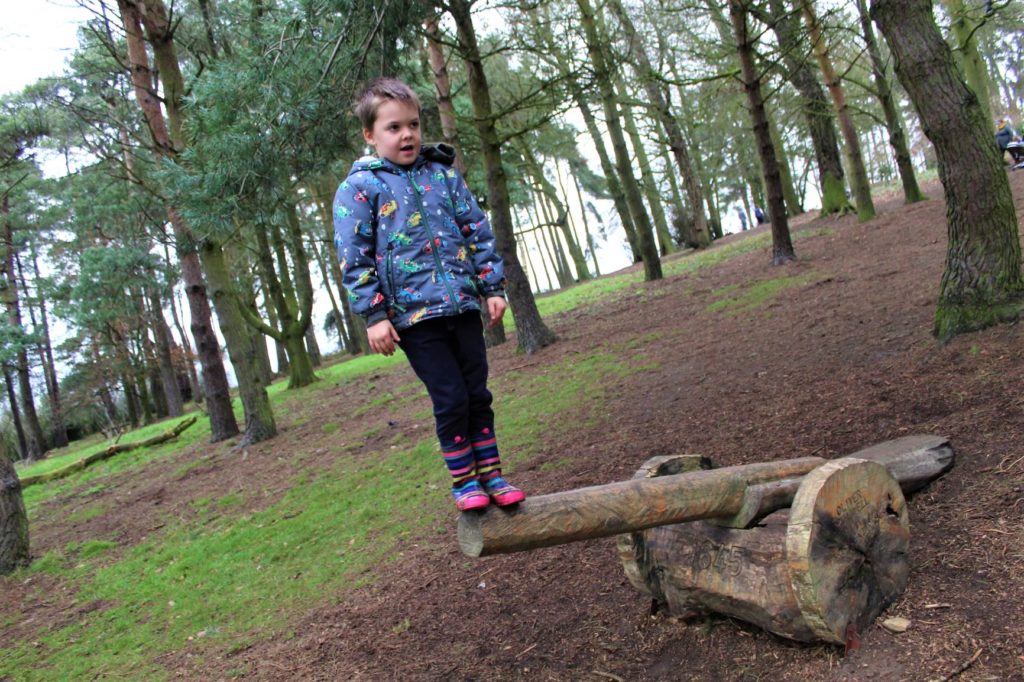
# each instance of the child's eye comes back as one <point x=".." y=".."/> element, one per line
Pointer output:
<point x="414" y="124"/>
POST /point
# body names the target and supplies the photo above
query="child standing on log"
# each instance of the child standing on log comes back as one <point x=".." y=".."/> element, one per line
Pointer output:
<point x="418" y="257"/>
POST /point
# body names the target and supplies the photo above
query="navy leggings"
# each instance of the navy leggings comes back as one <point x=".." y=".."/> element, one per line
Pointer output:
<point x="449" y="356"/>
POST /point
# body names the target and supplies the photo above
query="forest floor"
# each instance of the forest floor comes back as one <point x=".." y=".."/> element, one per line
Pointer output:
<point x="742" y="362"/>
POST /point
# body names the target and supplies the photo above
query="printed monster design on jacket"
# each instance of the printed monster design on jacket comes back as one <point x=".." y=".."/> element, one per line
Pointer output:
<point x="412" y="242"/>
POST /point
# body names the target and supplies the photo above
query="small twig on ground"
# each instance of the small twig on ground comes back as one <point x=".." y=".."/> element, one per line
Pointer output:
<point x="937" y="606"/>
<point x="529" y="648"/>
<point x="964" y="666"/>
<point x="610" y="676"/>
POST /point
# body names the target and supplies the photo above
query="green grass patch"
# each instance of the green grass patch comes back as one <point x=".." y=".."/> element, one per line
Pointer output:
<point x="736" y="299"/>
<point x="329" y="427"/>
<point x="91" y="511"/>
<point x="384" y="401"/>
<point x="230" y="579"/>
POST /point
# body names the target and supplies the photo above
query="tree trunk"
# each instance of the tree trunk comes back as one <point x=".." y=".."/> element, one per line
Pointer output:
<point x="259" y="416"/>
<point x="532" y="332"/>
<point x="281" y="355"/>
<point x="815" y="107"/>
<point x="647" y="179"/>
<point x="603" y="76"/>
<point x="193" y="378"/>
<point x="215" y="380"/>
<point x="859" y="177"/>
<point x="785" y="175"/>
<point x="35" y="442"/>
<point x="443" y="88"/>
<point x="339" y="321"/>
<point x="168" y="377"/>
<point x="57" y="425"/>
<point x="677" y="143"/>
<point x="897" y="138"/>
<point x="356" y="341"/>
<point x="981" y="285"/>
<point x="14" y="539"/>
<point x="313" y="348"/>
<point x="782" y="245"/>
<point x="591" y="245"/>
<point x="611" y="178"/>
<point x="12" y="398"/>
<point x="964" y="30"/>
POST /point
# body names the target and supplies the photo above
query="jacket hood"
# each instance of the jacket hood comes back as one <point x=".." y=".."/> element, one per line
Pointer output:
<point x="439" y="153"/>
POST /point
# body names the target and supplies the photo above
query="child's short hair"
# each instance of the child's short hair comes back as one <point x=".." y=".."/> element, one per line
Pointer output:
<point x="375" y="93"/>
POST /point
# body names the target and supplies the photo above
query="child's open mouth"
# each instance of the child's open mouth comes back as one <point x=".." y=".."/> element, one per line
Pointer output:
<point x="407" y="148"/>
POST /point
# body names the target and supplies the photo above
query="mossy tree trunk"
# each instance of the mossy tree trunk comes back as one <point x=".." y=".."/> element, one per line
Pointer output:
<point x="897" y="137"/>
<point x="964" y="27"/>
<point x="242" y="349"/>
<point x="981" y="285"/>
<point x="782" y="245"/>
<point x="858" y="173"/>
<point x="813" y="103"/>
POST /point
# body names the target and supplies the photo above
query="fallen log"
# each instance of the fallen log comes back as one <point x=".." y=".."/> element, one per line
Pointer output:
<point x="735" y="496"/>
<point x="818" y="571"/>
<point x="107" y="453"/>
<point x="620" y="507"/>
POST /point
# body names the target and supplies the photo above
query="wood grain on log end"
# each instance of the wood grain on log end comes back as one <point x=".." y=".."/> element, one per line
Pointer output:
<point x="847" y="545"/>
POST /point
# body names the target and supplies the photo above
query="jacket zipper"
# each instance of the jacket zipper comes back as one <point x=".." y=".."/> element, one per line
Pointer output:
<point x="391" y="277"/>
<point x="433" y="245"/>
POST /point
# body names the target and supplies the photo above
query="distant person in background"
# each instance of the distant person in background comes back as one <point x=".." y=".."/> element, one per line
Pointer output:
<point x="1008" y="140"/>
<point x="743" y="219"/>
<point x="759" y="216"/>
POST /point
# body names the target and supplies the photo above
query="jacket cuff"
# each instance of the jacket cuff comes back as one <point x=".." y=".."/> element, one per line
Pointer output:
<point x="498" y="292"/>
<point x="375" y="317"/>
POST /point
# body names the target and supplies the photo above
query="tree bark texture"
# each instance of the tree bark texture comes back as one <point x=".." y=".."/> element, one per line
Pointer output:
<point x="443" y="89"/>
<point x="14" y="538"/>
<point x="634" y="197"/>
<point x="215" y="380"/>
<point x="981" y="285"/>
<point x="893" y="123"/>
<point x="532" y="333"/>
<point x="12" y="400"/>
<point x="782" y="244"/>
<point x="858" y="173"/>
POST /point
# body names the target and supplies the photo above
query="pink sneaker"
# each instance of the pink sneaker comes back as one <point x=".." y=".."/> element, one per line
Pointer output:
<point x="502" y="492"/>
<point x="470" y="496"/>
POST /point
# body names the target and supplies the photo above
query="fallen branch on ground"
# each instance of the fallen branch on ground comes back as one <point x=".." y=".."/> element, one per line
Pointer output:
<point x="106" y="453"/>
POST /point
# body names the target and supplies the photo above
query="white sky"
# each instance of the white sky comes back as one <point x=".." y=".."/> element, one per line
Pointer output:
<point x="36" y="37"/>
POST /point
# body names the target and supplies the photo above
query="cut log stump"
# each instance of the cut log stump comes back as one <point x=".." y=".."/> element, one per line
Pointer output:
<point x="834" y="561"/>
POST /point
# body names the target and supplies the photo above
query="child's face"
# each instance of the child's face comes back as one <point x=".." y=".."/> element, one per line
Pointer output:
<point x="396" y="132"/>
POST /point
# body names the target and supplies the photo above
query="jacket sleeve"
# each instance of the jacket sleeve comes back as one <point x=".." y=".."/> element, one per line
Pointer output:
<point x="476" y="230"/>
<point x="355" y="231"/>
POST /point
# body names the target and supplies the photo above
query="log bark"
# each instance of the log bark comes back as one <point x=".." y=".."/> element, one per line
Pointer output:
<point x="818" y="572"/>
<point x="107" y="453"/>
<point x="745" y="493"/>
<point x="620" y="507"/>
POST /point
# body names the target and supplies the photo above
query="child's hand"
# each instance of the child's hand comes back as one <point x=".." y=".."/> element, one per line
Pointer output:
<point x="383" y="337"/>
<point x="496" y="309"/>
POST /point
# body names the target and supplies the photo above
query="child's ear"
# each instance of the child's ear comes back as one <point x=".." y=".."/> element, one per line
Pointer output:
<point x="368" y="136"/>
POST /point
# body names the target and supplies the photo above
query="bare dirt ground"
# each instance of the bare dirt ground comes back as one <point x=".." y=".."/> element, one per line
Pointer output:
<point x="825" y="368"/>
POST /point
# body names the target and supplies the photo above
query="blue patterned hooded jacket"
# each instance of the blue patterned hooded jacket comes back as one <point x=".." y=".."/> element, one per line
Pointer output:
<point x="412" y="242"/>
